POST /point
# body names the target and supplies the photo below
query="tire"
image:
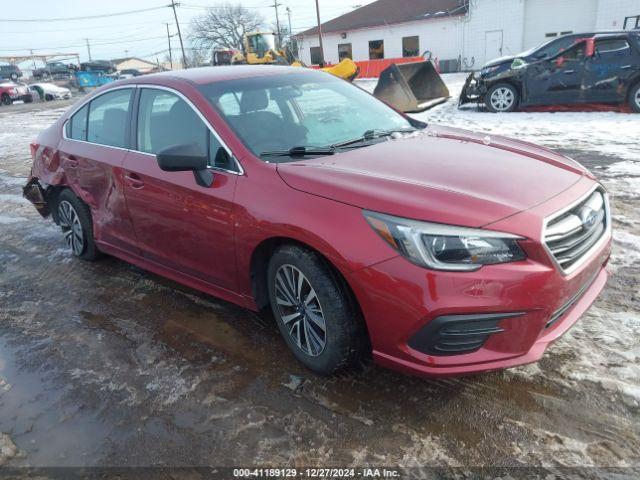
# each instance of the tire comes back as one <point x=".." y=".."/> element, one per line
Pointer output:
<point x="74" y="217"/>
<point x="27" y="99"/>
<point x="14" y="76"/>
<point x="344" y="339"/>
<point x="6" y="99"/>
<point x="634" y="98"/>
<point x="502" y="97"/>
<point x="48" y="97"/>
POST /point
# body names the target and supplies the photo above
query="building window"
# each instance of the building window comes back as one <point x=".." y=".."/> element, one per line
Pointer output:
<point x="631" y="22"/>
<point x="376" y="49"/>
<point x="410" y="46"/>
<point x="568" y="32"/>
<point x="551" y="35"/>
<point x="344" y="51"/>
<point x="316" y="56"/>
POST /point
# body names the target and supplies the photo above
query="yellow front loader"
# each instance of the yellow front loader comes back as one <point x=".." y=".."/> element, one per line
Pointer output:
<point x="259" y="48"/>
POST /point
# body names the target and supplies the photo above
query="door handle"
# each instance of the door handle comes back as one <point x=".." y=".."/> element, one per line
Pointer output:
<point x="569" y="72"/>
<point x="133" y="180"/>
<point x="71" y="162"/>
<point x="625" y="67"/>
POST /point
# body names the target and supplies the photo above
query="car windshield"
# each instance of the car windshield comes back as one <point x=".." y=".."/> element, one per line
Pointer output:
<point x="551" y="48"/>
<point x="306" y="109"/>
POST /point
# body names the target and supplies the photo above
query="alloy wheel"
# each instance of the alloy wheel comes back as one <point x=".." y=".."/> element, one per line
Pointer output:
<point x="300" y="310"/>
<point x="502" y="99"/>
<point x="71" y="227"/>
<point x="637" y="98"/>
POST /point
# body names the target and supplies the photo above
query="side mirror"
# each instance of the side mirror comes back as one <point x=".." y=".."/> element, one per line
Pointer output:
<point x="185" y="157"/>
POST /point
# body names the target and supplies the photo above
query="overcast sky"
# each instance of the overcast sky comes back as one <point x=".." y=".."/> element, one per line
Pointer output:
<point x="140" y="34"/>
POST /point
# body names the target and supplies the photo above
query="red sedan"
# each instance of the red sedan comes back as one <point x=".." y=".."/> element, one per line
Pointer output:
<point x="435" y="250"/>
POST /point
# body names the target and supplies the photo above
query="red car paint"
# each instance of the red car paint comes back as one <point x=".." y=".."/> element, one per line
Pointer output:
<point x="206" y="237"/>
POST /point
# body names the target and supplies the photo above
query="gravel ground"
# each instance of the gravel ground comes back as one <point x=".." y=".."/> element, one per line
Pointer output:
<point x="103" y="364"/>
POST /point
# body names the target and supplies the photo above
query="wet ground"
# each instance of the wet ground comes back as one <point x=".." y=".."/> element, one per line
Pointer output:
<point x="105" y="364"/>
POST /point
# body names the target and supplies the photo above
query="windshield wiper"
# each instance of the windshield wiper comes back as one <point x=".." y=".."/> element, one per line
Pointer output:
<point x="372" y="135"/>
<point x="300" y="151"/>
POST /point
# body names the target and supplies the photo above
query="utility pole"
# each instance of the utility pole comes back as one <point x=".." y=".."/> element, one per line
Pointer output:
<point x="88" y="48"/>
<point x="126" y="53"/>
<point x="291" y="42"/>
<point x="184" y="57"/>
<point x="276" y="5"/>
<point x="169" y="40"/>
<point x="320" y="34"/>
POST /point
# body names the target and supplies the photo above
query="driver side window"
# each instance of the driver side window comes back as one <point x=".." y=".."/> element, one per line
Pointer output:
<point x="165" y="119"/>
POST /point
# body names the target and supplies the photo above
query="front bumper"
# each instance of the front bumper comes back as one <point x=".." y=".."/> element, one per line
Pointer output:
<point x="473" y="90"/>
<point x="518" y="308"/>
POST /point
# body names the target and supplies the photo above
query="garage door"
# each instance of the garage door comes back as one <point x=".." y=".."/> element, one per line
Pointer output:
<point x="544" y="19"/>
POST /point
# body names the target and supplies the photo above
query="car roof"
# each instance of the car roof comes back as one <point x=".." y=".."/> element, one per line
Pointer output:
<point x="204" y="75"/>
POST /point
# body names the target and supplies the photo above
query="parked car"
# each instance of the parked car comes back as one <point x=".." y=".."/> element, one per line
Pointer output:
<point x="601" y="68"/>
<point x="50" y="91"/>
<point x="10" y="92"/>
<point x="10" y="72"/>
<point x="52" y="69"/>
<point x="439" y="251"/>
<point x="133" y="72"/>
<point x="104" y="66"/>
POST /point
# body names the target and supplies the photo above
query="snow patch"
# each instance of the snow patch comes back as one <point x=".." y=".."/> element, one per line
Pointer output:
<point x="7" y="220"/>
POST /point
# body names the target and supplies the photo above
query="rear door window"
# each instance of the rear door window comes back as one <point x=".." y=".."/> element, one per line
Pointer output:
<point x="108" y="118"/>
<point x="613" y="48"/>
<point x="77" y="126"/>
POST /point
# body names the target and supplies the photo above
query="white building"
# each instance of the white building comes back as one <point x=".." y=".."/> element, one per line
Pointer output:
<point x="468" y="31"/>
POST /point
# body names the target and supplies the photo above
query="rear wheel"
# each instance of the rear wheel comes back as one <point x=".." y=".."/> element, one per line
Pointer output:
<point x="634" y="98"/>
<point x="501" y="98"/>
<point x="74" y="218"/>
<point x="313" y="310"/>
<point x="6" y="99"/>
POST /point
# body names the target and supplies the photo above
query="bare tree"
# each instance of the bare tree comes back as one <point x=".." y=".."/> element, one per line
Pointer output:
<point x="223" y="26"/>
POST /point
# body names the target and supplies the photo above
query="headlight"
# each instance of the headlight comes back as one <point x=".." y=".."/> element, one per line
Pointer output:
<point x="488" y="70"/>
<point x="445" y="247"/>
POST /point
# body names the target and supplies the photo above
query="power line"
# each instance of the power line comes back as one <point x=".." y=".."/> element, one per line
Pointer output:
<point x="119" y="42"/>
<point x="86" y="17"/>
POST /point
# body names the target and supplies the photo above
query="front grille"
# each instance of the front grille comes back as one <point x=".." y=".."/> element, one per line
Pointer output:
<point x="571" y="235"/>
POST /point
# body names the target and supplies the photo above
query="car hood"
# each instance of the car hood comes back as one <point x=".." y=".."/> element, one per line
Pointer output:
<point x="440" y="175"/>
<point x="500" y="61"/>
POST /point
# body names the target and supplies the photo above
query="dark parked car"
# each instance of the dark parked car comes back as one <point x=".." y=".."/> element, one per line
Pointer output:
<point x="600" y="68"/>
<point x="52" y="69"/>
<point x="104" y="66"/>
<point x="10" y="72"/>
<point x="367" y="232"/>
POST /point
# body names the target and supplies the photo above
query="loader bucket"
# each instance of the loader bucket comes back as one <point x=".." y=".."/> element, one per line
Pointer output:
<point x="346" y="69"/>
<point x="411" y="87"/>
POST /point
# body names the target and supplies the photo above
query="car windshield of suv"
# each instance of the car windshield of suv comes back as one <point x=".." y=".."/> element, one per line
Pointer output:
<point x="551" y="48"/>
<point x="301" y="111"/>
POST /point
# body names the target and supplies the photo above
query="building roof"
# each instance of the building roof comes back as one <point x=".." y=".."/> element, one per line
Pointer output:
<point x="117" y="61"/>
<point x="385" y="12"/>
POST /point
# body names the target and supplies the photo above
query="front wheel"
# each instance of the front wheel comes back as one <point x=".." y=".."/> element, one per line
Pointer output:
<point x="6" y="99"/>
<point x="74" y="218"/>
<point x="313" y="310"/>
<point x="501" y="98"/>
<point x="634" y="98"/>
